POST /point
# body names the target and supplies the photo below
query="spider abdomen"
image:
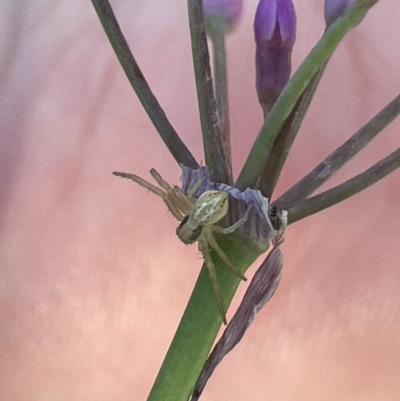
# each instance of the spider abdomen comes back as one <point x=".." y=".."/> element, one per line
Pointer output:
<point x="209" y="208"/>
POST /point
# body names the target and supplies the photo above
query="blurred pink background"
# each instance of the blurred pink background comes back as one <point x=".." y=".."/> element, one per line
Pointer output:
<point x="93" y="280"/>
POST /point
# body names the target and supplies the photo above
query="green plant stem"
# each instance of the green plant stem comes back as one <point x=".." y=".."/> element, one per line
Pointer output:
<point x="343" y="191"/>
<point x="326" y="169"/>
<point x="210" y="124"/>
<point x="295" y="87"/>
<point x="221" y="93"/>
<point x="198" y="327"/>
<point x="136" y="78"/>
<point x="284" y="141"/>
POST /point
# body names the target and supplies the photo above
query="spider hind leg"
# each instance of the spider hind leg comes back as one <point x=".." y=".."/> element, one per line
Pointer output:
<point x="214" y="244"/>
<point x="213" y="278"/>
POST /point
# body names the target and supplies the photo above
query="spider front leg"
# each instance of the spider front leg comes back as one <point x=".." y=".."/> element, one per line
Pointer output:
<point x="176" y="204"/>
<point x="174" y="196"/>
<point x="143" y="183"/>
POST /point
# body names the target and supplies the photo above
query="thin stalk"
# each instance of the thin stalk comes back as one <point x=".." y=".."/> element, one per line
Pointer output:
<point x="343" y="191"/>
<point x="295" y="87"/>
<point x="320" y="174"/>
<point x="221" y="93"/>
<point x="136" y="78"/>
<point x="210" y="124"/>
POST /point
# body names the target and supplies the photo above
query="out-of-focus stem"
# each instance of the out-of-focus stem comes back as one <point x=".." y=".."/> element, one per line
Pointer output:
<point x="210" y="124"/>
<point x="343" y="191"/>
<point x="136" y="78"/>
<point x="320" y="174"/>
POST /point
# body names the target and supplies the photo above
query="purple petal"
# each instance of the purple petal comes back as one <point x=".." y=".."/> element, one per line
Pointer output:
<point x="287" y="21"/>
<point x="265" y="19"/>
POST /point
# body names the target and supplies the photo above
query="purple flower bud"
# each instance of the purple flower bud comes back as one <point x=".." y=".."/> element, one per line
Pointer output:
<point x="335" y="9"/>
<point x="222" y="14"/>
<point x="275" y="33"/>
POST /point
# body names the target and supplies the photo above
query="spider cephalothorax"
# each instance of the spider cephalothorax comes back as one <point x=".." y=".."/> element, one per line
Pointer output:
<point x="200" y="206"/>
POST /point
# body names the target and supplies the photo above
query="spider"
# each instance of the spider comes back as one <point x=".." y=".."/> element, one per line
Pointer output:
<point x="198" y="219"/>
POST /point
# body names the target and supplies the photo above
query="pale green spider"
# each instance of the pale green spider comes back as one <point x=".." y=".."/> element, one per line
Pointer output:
<point x="198" y="219"/>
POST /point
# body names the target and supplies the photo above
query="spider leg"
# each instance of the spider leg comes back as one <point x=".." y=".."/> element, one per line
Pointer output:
<point x="213" y="243"/>
<point x="174" y="208"/>
<point x="235" y="226"/>
<point x="173" y="202"/>
<point x="161" y="182"/>
<point x="213" y="278"/>
<point x="178" y="195"/>
<point x="175" y="197"/>
<point x="186" y="202"/>
<point x="142" y="183"/>
<point x="195" y="186"/>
